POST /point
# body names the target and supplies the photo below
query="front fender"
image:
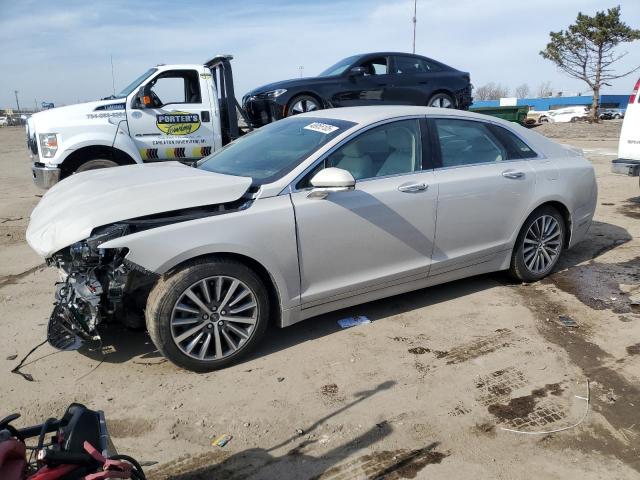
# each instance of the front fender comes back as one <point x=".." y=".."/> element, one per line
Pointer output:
<point x="104" y="138"/>
<point x="265" y="233"/>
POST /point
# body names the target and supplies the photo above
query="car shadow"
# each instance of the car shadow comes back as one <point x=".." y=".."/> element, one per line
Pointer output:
<point x="296" y="459"/>
<point x="123" y="344"/>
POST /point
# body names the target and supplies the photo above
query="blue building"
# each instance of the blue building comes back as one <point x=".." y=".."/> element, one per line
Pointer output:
<point x="552" y="103"/>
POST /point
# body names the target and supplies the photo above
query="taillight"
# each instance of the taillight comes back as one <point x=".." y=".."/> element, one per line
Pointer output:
<point x="632" y="97"/>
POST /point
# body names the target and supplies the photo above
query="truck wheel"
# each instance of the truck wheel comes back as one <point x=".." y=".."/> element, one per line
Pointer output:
<point x="441" y="100"/>
<point x="208" y="314"/>
<point x="574" y="119"/>
<point x="302" y="104"/>
<point x="96" y="164"/>
<point x="539" y="245"/>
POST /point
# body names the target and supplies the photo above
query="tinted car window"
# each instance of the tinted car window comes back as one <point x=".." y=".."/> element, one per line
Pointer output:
<point x="275" y="149"/>
<point x="412" y="65"/>
<point x="465" y="142"/>
<point x="375" y="66"/>
<point x="390" y="149"/>
<point x="515" y="147"/>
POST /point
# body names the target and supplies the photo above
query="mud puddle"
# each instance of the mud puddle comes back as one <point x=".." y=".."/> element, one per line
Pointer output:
<point x="594" y="362"/>
<point x="597" y="284"/>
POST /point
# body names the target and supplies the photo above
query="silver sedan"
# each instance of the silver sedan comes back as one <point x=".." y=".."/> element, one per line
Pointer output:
<point x="310" y="214"/>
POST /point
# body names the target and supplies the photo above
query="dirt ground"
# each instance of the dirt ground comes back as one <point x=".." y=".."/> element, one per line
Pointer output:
<point x="424" y="391"/>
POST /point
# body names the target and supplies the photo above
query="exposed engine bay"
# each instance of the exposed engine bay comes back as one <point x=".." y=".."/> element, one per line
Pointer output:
<point x="99" y="285"/>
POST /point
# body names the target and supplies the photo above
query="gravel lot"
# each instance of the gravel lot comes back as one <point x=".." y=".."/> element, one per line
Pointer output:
<point x="423" y="392"/>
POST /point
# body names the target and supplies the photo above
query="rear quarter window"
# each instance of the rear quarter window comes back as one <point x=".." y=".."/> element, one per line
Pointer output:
<point x="515" y="147"/>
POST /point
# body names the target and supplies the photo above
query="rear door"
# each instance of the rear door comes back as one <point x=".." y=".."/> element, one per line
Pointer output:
<point x="178" y="126"/>
<point x="486" y="187"/>
<point x="413" y="79"/>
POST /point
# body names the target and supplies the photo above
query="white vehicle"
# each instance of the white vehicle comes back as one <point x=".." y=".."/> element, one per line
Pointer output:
<point x="171" y="112"/>
<point x="568" y="114"/>
<point x="628" y="161"/>
<point x="307" y="215"/>
<point x="4" y="121"/>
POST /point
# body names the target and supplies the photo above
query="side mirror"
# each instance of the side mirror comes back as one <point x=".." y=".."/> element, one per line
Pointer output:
<point x="331" y="180"/>
<point x="144" y="97"/>
<point x="357" y="71"/>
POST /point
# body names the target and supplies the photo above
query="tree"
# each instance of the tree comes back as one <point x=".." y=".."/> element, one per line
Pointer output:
<point x="586" y="50"/>
<point x="544" y="89"/>
<point x="491" y="91"/>
<point x="523" y="91"/>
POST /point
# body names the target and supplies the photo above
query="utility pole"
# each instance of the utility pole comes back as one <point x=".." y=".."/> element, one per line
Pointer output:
<point x="17" y="101"/>
<point x="113" y="78"/>
<point x="414" y="19"/>
<point x="301" y="68"/>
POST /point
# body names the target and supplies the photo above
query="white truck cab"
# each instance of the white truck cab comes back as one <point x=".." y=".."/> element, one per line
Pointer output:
<point x="170" y="112"/>
<point x="628" y="161"/>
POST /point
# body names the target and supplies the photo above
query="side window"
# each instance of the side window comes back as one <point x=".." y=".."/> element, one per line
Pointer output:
<point x="515" y="147"/>
<point x="412" y="65"/>
<point x="376" y="66"/>
<point x="176" y="86"/>
<point x="390" y="149"/>
<point x="466" y="142"/>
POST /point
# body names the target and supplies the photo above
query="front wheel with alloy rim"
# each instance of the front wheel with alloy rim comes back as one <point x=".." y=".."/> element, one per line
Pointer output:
<point x="441" y="100"/>
<point x="539" y="245"/>
<point x="208" y="314"/>
<point x="302" y="104"/>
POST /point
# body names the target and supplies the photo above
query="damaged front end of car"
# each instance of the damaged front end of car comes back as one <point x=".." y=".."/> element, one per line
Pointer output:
<point x="93" y="287"/>
<point x="100" y="284"/>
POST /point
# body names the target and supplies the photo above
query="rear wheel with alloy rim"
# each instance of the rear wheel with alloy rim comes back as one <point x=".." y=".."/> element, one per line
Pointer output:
<point x="539" y="245"/>
<point x="441" y="100"/>
<point x="208" y="314"/>
<point x="302" y="104"/>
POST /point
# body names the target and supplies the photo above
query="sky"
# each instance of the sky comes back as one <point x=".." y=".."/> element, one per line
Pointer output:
<point x="60" y="51"/>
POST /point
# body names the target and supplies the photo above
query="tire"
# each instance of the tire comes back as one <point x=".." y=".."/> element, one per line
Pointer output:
<point x="169" y="320"/>
<point x="543" y="120"/>
<point x="524" y="266"/>
<point x="616" y="117"/>
<point x="302" y="104"/>
<point x="96" y="164"/>
<point x="574" y="119"/>
<point x="441" y="100"/>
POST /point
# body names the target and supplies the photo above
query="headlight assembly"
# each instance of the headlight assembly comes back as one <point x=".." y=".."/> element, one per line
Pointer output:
<point x="272" y="93"/>
<point x="48" y="144"/>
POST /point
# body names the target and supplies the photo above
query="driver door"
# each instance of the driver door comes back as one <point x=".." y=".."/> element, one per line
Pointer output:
<point x="376" y="236"/>
<point x="178" y="125"/>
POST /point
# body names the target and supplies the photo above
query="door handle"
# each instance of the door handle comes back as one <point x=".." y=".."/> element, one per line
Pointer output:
<point x="413" y="187"/>
<point x="512" y="174"/>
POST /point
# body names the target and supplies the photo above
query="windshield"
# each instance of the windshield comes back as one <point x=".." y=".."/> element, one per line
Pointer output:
<point x="274" y="150"/>
<point x="133" y="85"/>
<point x="340" y="67"/>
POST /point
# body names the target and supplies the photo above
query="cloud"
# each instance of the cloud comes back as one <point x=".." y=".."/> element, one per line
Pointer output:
<point x="61" y="51"/>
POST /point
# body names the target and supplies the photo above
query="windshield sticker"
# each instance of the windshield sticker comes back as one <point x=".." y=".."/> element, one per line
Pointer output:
<point x="178" y="123"/>
<point x="321" y="127"/>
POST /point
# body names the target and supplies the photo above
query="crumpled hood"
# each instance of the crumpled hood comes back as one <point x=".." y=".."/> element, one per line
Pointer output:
<point x="70" y="210"/>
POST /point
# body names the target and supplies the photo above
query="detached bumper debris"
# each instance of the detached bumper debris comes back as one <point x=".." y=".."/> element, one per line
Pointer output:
<point x="353" y="321"/>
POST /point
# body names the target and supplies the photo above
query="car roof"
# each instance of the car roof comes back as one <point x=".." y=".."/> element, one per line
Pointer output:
<point x="372" y="114"/>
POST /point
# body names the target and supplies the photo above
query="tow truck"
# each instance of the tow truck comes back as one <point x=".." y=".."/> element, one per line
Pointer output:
<point x="170" y="112"/>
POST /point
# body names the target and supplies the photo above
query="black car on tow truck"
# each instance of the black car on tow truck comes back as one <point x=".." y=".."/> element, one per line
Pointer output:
<point x="367" y="79"/>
